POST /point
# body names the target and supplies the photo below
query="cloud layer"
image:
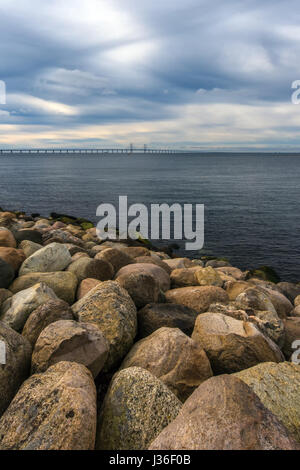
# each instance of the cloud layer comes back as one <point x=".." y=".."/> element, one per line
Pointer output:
<point x="192" y="74"/>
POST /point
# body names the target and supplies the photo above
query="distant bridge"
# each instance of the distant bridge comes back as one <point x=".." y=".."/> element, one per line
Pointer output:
<point x="102" y="151"/>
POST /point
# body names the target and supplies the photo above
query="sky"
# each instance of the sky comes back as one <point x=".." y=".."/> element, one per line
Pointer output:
<point x="192" y="74"/>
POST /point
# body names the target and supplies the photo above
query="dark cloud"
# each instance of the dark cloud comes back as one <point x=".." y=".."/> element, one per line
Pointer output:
<point x="103" y="63"/>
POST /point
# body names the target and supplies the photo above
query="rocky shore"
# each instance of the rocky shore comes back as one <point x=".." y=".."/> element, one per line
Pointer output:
<point x="119" y="346"/>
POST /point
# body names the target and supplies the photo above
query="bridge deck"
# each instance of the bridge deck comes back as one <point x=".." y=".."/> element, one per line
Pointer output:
<point x="87" y="151"/>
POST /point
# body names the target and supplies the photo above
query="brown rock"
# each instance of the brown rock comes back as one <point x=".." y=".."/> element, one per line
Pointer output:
<point x="153" y="260"/>
<point x="174" y="358"/>
<point x="4" y="295"/>
<point x="12" y="256"/>
<point x="136" y="251"/>
<point x="63" y="283"/>
<point x="184" y="277"/>
<point x="115" y="257"/>
<point x="17" y="356"/>
<point x="67" y="340"/>
<point x="290" y="290"/>
<point x="292" y="334"/>
<point x="158" y="273"/>
<point x="208" y="277"/>
<point x="224" y="414"/>
<point x="85" y="268"/>
<point x="155" y="316"/>
<point x="44" y="315"/>
<point x="233" y="345"/>
<point x="142" y="288"/>
<point x="6" y="238"/>
<point x="52" y="411"/>
<point x="231" y="271"/>
<point x="29" y="247"/>
<point x="85" y="286"/>
<point x="235" y="288"/>
<point x="78" y="255"/>
<point x="198" y="298"/>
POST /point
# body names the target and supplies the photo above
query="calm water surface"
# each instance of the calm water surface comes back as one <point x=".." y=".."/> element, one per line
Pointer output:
<point x="251" y="201"/>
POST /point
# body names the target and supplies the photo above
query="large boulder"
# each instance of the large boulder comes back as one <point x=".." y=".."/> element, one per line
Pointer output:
<point x="115" y="257"/>
<point x="110" y="307"/>
<point x="12" y="256"/>
<point x="85" y="268"/>
<point x="197" y="298"/>
<point x="137" y="407"/>
<point x="67" y="340"/>
<point x="233" y="345"/>
<point x="55" y="410"/>
<point x="7" y="238"/>
<point x="7" y="274"/>
<point x="292" y="334"/>
<point x="17" y="352"/>
<point x="16" y="310"/>
<point x="154" y="316"/>
<point x="53" y="257"/>
<point x="29" y="247"/>
<point x="63" y="283"/>
<point x="174" y="358"/>
<point x="224" y="414"/>
<point x="43" y="316"/>
<point x="142" y="288"/>
<point x="277" y="386"/>
<point x="159" y="274"/>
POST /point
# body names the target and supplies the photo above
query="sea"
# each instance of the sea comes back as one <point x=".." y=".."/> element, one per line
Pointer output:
<point x="251" y="200"/>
